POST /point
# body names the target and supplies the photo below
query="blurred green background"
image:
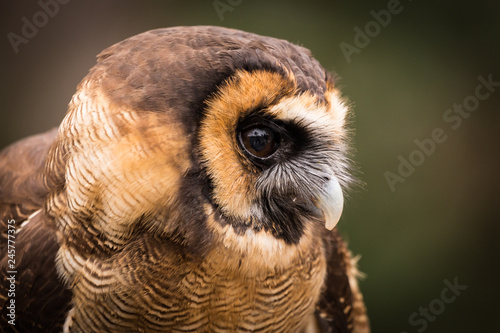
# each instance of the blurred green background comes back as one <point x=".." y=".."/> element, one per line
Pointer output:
<point x="441" y="223"/>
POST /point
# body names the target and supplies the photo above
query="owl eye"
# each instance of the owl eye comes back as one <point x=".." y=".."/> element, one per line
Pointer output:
<point x="259" y="141"/>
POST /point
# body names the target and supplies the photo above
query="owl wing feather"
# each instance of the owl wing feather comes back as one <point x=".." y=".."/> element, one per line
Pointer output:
<point x="40" y="297"/>
<point x="21" y="185"/>
<point x="341" y="307"/>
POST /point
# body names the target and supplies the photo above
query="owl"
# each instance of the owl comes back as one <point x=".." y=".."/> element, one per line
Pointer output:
<point x="194" y="185"/>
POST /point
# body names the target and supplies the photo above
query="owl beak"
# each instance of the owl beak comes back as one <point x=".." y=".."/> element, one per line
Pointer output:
<point x="331" y="203"/>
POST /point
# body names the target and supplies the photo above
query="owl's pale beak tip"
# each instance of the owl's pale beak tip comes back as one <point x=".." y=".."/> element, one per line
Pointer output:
<point x="331" y="203"/>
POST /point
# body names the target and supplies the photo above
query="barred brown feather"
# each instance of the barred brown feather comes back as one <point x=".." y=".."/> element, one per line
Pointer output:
<point x="152" y="217"/>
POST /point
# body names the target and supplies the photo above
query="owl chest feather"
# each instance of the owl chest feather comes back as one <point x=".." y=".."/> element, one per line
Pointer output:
<point x="226" y="291"/>
<point x="269" y="300"/>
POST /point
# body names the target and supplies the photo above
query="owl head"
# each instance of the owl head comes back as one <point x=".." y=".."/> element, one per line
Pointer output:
<point x="200" y="135"/>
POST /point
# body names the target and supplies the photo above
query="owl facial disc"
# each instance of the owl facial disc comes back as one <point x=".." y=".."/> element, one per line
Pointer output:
<point x="331" y="202"/>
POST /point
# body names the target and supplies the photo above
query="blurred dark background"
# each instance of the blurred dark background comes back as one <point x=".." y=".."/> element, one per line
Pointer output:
<point x="441" y="223"/>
